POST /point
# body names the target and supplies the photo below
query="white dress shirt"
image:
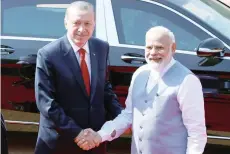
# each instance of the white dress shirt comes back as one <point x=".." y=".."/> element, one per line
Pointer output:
<point x="190" y="98"/>
<point x="87" y="54"/>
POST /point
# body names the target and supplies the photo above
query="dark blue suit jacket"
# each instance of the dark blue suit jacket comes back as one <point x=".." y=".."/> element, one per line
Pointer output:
<point x="65" y="108"/>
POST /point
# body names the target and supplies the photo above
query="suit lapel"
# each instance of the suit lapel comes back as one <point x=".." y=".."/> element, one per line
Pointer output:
<point x="72" y="62"/>
<point x="94" y="69"/>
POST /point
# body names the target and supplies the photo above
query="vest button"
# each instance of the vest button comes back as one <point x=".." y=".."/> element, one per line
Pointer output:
<point x="140" y="139"/>
<point x="140" y="152"/>
<point x="141" y="127"/>
<point x="146" y="101"/>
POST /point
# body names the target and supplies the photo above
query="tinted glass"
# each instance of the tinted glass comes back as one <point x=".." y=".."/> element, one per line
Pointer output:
<point x="212" y="12"/>
<point x="134" y="18"/>
<point x="40" y="18"/>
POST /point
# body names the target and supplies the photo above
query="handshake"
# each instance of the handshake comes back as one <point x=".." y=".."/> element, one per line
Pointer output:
<point x="88" y="139"/>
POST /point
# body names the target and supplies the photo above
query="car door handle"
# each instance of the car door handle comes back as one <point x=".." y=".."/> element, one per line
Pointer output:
<point x="133" y="58"/>
<point x="6" y="50"/>
<point x="210" y="92"/>
<point x="207" y="77"/>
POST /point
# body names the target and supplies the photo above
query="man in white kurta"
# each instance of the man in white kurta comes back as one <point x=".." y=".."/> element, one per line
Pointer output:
<point x="165" y="105"/>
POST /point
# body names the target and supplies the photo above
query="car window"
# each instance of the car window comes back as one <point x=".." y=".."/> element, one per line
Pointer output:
<point x="134" y="18"/>
<point x="209" y="11"/>
<point x="40" y="18"/>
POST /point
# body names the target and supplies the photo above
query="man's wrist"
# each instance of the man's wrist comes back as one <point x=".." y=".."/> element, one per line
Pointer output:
<point x="102" y="135"/>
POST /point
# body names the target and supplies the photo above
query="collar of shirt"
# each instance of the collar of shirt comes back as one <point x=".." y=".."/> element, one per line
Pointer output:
<point x="160" y="74"/>
<point x="76" y="48"/>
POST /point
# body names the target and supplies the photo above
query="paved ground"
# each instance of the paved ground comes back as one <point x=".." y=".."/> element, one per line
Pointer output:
<point x="24" y="142"/>
<point x="22" y="138"/>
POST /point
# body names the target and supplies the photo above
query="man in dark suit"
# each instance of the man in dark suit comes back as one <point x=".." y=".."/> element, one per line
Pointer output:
<point x="70" y="86"/>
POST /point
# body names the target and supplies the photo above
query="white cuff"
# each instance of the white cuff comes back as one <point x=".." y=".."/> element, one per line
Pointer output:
<point x="104" y="136"/>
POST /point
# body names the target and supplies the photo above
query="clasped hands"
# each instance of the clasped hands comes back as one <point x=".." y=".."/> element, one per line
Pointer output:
<point x="88" y="139"/>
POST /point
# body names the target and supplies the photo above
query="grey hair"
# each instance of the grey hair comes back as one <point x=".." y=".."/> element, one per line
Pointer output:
<point x="79" y="5"/>
<point x="164" y="30"/>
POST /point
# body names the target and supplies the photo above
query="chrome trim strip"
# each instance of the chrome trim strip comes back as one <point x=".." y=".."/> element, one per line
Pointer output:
<point x="27" y="38"/>
<point x="218" y="137"/>
<point x="129" y="46"/>
<point x="177" y="51"/>
<point x="117" y="45"/>
<point x="9" y="49"/>
<point x="209" y="50"/>
<point x="125" y="57"/>
<point x="142" y="47"/>
<point x="112" y="37"/>
<point x="208" y="77"/>
<point x="21" y="122"/>
<point x="58" y="6"/>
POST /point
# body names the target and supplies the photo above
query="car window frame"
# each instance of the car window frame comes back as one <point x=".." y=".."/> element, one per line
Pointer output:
<point x="182" y="27"/>
<point x="112" y="29"/>
<point x="99" y="31"/>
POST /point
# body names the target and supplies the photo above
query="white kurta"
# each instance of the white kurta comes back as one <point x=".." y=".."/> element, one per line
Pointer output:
<point x="174" y="101"/>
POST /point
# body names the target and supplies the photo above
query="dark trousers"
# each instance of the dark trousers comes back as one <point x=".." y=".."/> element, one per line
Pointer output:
<point x="42" y="148"/>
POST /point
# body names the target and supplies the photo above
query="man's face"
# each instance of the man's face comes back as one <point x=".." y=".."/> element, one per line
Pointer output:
<point x="158" y="50"/>
<point x="80" y="26"/>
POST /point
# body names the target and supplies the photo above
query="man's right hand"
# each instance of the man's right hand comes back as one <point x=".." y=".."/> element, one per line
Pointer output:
<point x="88" y="139"/>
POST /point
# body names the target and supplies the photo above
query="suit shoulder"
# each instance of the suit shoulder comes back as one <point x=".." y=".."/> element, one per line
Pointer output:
<point x="182" y="70"/>
<point x="140" y="70"/>
<point x="99" y="41"/>
<point x="51" y="48"/>
<point x="183" y="67"/>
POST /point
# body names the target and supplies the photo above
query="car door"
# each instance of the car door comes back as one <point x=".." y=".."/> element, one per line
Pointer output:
<point x="26" y="27"/>
<point x="24" y="31"/>
<point x="126" y="24"/>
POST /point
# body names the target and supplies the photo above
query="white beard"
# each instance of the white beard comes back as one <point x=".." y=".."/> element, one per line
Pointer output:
<point x="161" y="65"/>
<point x="154" y="65"/>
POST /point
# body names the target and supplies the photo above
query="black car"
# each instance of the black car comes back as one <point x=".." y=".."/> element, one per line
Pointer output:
<point x="201" y="28"/>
